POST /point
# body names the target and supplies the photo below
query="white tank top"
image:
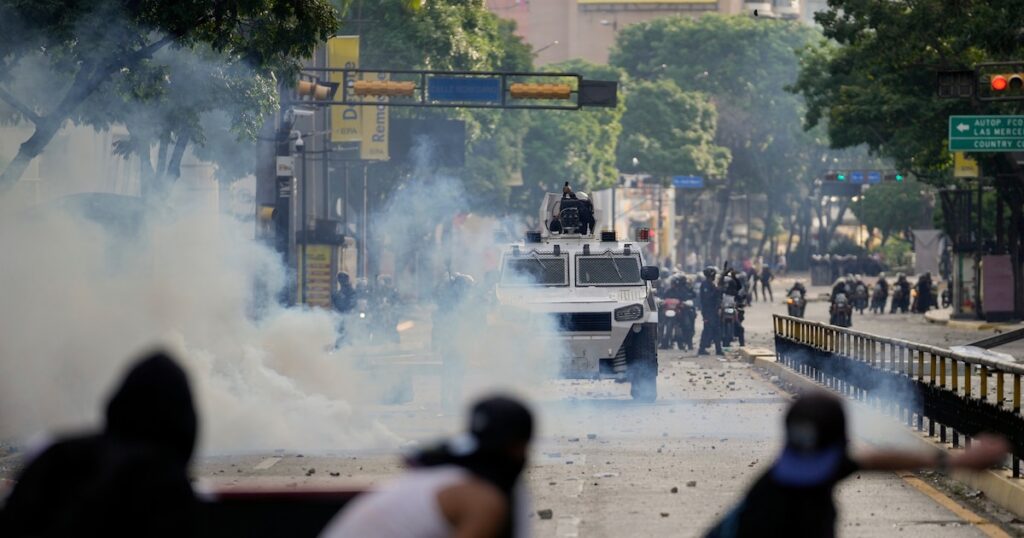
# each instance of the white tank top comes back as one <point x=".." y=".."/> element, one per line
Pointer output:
<point x="406" y="507"/>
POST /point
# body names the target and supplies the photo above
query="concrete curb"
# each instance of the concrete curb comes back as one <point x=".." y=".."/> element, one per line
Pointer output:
<point x="998" y="485"/>
<point x="941" y="317"/>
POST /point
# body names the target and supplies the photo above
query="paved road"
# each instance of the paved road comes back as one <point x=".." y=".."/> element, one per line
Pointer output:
<point x="606" y="466"/>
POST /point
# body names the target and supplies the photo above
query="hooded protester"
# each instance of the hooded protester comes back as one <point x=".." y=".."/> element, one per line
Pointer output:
<point x="794" y="497"/>
<point x="131" y="479"/>
<point x="467" y="487"/>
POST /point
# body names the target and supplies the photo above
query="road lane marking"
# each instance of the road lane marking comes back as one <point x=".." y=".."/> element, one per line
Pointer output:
<point x="985" y="526"/>
<point x="266" y="464"/>
<point x="568" y="527"/>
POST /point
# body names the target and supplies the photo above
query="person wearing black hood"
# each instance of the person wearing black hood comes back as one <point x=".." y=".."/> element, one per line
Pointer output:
<point x="794" y="497"/>
<point x="131" y="479"/>
<point x="467" y="487"/>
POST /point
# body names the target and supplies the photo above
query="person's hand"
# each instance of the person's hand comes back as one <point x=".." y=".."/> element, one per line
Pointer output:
<point x="986" y="450"/>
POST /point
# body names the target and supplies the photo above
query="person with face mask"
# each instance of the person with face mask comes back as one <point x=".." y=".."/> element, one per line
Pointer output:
<point x="130" y="479"/>
<point x="467" y="487"/>
<point x="794" y="497"/>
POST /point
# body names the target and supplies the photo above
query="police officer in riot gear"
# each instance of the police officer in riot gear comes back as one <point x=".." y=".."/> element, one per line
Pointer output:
<point x="900" y="294"/>
<point x="737" y="289"/>
<point x="710" y="301"/>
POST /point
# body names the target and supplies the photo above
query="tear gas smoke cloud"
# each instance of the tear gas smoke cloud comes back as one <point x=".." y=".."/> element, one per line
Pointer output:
<point x="82" y="299"/>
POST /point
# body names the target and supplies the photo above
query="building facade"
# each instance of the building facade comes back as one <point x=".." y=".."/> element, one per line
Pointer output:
<point x="561" y="30"/>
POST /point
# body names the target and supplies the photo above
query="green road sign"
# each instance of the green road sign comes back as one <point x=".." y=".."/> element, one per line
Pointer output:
<point x="986" y="133"/>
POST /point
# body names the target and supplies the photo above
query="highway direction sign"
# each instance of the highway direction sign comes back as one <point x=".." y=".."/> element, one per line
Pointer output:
<point x="986" y="133"/>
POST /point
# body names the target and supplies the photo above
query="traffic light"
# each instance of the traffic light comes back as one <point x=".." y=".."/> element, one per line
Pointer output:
<point x="1000" y="81"/>
<point x="522" y="90"/>
<point x="385" y="88"/>
<point x="897" y="176"/>
<point x="1006" y="81"/>
<point x="835" y="176"/>
<point x="316" y="90"/>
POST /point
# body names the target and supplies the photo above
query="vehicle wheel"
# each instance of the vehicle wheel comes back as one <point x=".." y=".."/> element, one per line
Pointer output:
<point x="727" y="333"/>
<point x="642" y="361"/>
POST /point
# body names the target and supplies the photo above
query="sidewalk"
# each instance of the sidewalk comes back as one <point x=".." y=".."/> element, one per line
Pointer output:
<point x="941" y="317"/>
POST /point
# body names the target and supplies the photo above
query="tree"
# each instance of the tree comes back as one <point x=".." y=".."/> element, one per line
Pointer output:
<point x="891" y="207"/>
<point x="575" y="146"/>
<point x="450" y="35"/>
<point x="670" y="132"/>
<point x="84" y="49"/>
<point x="744" y="65"/>
<point x="874" y="84"/>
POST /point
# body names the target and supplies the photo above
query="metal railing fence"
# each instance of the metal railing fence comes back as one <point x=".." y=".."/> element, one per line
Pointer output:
<point x="926" y="386"/>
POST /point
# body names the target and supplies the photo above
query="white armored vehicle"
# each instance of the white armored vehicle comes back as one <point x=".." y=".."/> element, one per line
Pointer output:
<point x="596" y="289"/>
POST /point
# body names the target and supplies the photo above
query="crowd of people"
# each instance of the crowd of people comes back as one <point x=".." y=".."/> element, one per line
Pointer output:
<point x="132" y="478"/>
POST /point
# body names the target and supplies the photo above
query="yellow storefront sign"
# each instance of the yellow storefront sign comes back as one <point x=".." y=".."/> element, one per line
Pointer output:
<point x="343" y="52"/>
<point x="319" y="279"/>
<point x="964" y="166"/>
<point x="374" y="143"/>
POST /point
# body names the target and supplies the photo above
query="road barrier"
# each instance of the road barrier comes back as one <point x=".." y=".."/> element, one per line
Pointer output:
<point x="920" y="384"/>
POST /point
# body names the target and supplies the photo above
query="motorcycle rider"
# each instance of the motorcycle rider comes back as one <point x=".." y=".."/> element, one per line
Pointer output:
<point x="799" y="287"/>
<point x="733" y="287"/>
<point x="923" y="301"/>
<point x="676" y="328"/>
<point x="840" y="301"/>
<point x="710" y="301"/>
<point x="384" y="300"/>
<point x="903" y="286"/>
<point x="858" y="292"/>
<point x="344" y="298"/>
<point x="880" y="295"/>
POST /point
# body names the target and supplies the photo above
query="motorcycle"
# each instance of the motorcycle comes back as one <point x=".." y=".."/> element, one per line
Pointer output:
<point x="730" y="319"/>
<point x="860" y="297"/>
<point x="841" y="312"/>
<point x="899" y="300"/>
<point x="796" y="304"/>
<point x="878" y="299"/>
<point x="947" y="295"/>
<point x="678" y="327"/>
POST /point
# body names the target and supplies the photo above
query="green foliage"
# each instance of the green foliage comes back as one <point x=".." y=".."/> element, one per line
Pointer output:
<point x="574" y="146"/>
<point x="744" y="65"/>
<point x="670" y="132"/>
<point x="100" y="63"/>
<point x="451" y="35"/>
<point x="891" y="207"/>
<point x="875" y="84"/>
<point x="895" y="252"/>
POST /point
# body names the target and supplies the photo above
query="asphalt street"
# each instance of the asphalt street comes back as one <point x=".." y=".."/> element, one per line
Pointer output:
<point x="607" y="467"/>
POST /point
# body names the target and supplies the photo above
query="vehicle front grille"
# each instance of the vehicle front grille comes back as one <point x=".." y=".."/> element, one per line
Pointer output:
<point x="584" y="321"/>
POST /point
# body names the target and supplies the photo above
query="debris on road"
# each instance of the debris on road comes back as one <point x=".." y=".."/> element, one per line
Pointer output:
<point x="674" y="490"/>
<point x="691" y="484"/>
<point x="545" y="513"/>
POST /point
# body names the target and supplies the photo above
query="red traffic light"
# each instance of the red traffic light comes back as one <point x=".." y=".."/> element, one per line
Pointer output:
<point x="999" y="83"/>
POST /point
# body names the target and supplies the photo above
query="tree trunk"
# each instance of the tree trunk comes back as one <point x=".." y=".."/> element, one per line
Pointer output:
<point x="1015" y="253"/>
<point x="30" y="149"/>
<point x="85" y="84"/>
<point x="769" y="215"/>
<point x="174" y="165"/>
<point x="716" y="231"/>
<point x="793" y="223"/>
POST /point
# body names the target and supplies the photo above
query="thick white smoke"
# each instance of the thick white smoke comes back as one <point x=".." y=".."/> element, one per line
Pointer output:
<point x="81" y="299"/>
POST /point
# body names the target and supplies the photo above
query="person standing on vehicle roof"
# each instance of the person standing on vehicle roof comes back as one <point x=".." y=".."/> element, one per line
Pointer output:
<point x="710" y="301"/>
<point x="794" y="497"/>
<point x="467" y="487"/>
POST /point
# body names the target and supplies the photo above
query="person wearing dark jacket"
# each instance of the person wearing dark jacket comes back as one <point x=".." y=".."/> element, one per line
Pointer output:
<point x="130" y="479"/>
<point x="794" y="497"/>
<point x="468" y="486"/>
<point x="710" y="301"/>
<point x="924" y="293"/>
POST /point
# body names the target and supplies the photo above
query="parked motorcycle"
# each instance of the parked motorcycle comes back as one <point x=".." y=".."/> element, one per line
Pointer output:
<point x="796" y="304"/>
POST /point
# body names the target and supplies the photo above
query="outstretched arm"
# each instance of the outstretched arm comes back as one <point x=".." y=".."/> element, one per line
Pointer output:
<point x="986" y="451"/>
